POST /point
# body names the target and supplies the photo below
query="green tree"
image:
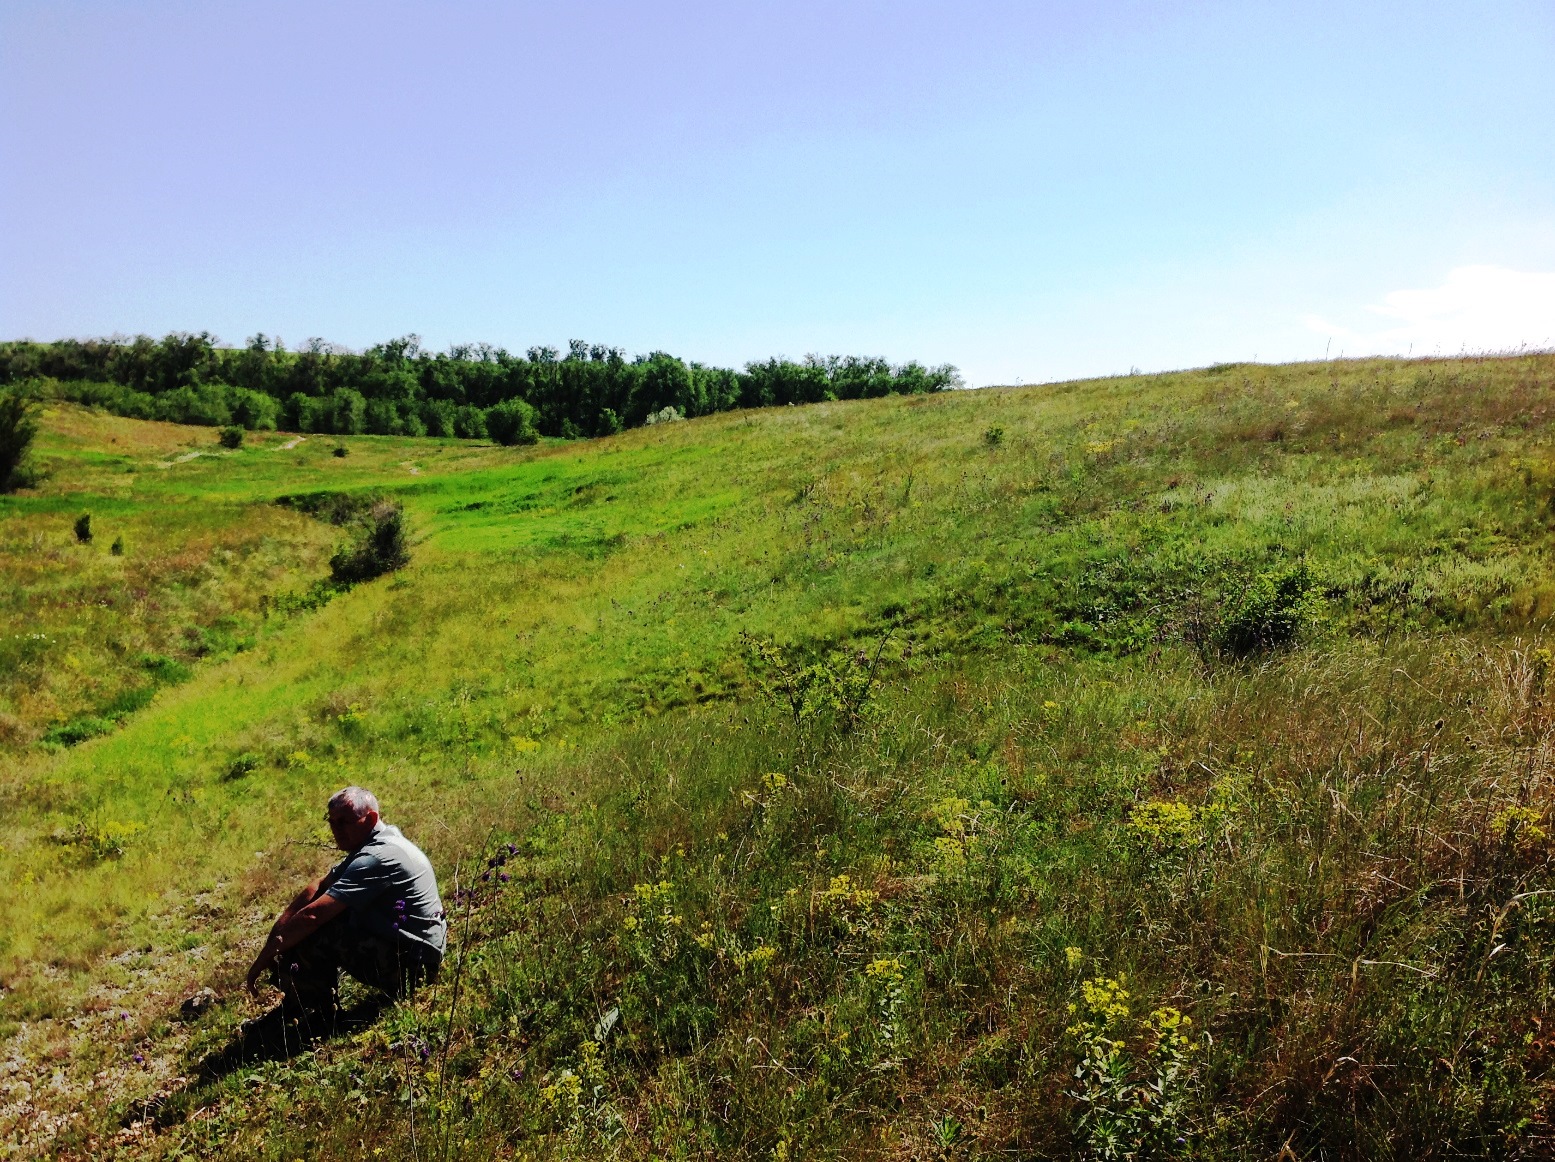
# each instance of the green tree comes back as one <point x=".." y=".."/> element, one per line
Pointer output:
<point x="512" y="422"/>
<point x="18" y="425"/>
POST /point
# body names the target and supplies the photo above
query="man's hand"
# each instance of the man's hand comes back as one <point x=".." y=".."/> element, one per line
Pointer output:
<point x="296" y="924"/>
<point x="263" y="961"/>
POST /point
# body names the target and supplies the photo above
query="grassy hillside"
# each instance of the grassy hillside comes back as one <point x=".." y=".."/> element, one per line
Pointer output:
<point x="1145" y="767"/>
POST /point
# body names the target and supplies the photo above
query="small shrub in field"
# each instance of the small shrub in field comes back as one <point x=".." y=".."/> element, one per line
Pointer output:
<point x="316" y="596"/>
<point x="379" y="547"/>
<point x="666" y="415"/>
<point x="241" y="766"/>
<point x="77" y="730"/>
<point x="166" y="670"/>
<point x="341" y="451"/>
<point x="84" y="528"/>
<point x="840" y="686"/>
<point x="231" y="436"/>
<point x="18" y="425"/>
<point x="1267" y="613"/>
<point x="577" y="1102"/>
<point x="512" y="422"/>
<point x="117" y="548"/>
<point x="994" y="436"/>
<point x="1166" y="826"/>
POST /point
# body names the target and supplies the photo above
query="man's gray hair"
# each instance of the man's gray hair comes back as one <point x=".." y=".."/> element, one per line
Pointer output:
<point x="359" y="799"/>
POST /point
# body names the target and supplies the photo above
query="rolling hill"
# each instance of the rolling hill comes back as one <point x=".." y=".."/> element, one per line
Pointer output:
<point x="1144" y="767"/>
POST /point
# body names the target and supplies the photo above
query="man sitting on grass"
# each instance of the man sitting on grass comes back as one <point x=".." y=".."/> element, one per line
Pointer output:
<point x="376" y="914"/>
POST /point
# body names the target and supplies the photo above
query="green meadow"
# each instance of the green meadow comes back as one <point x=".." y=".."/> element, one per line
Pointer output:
<point x="1147" y="767"/>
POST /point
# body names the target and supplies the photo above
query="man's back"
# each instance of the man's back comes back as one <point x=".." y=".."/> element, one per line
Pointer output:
<point x="390" y="888"/>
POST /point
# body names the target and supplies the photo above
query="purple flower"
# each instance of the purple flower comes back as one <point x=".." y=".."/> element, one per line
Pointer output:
<point x="485" y="876"/>
<point x="504" y="877"/>
<point x="139" y="1060"/>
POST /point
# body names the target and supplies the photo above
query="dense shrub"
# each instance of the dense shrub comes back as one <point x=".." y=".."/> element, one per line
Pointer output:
<point x="378" y="547"/>
<point x="1266" y="613"/>
<point x="232" y="436"/>
<point x="18" y="426"/>
<point x="511" y="422"/>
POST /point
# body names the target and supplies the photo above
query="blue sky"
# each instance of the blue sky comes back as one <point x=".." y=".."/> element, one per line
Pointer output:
<point x="1029" y="191"/>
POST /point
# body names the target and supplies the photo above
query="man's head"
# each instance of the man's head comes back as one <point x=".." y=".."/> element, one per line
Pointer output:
<point x="352" y="814"/>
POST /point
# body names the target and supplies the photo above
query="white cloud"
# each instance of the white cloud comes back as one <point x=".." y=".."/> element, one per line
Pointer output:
<point x="1478" y="308"/>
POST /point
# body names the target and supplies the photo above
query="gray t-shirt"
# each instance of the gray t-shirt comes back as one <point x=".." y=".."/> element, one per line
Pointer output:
<point x="390" y="889"/>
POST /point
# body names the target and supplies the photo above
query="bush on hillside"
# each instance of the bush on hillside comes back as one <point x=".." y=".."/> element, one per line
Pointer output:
<point x="511" y="422"/>
<point x="1267" y="613"/>
<point x="379" y="547"/>
<point x="231" y="436"/>
<point x="18" y="426"/>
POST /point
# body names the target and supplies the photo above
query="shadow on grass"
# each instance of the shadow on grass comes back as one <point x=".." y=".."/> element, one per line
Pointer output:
<point x="272" y="1037"/>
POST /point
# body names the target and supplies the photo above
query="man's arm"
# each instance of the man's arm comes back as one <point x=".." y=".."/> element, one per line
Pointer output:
<point x="294" y="926"/>
<point x="300" y="901"/>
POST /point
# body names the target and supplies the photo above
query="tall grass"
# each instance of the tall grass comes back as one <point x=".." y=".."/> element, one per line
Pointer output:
<point x="838" y="751"/>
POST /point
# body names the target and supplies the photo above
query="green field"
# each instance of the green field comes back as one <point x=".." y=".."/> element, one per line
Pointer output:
<point x="841" y="748"/>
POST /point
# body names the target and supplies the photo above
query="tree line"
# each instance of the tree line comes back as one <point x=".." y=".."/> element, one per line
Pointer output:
<point x="399" y="388"/>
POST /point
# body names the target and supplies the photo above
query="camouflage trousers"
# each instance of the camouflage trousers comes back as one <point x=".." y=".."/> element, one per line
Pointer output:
<point x="308" y="975"/>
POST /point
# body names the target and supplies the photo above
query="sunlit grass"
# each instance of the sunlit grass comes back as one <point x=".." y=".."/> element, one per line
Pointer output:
<point x="562" y="665"/>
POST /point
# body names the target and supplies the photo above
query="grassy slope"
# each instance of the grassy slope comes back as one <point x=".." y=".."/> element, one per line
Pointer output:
<point x="561" y="668"/>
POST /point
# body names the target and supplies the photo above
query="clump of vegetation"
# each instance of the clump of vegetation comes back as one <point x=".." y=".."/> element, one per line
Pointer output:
<point x="231" y="436"/>
<point x="18" y="427"/>
<point x="512" y="422"/>
<point x="378" y="546"/>
<point x="669" y="414"/>
<point x="1266" y="612"/>
<point x="333" y="506"/>
<point x="1134" y="1078"/>
<point x="83" y="528"/>
<point x="242" y="765"/>
<point x="94" y="842"/>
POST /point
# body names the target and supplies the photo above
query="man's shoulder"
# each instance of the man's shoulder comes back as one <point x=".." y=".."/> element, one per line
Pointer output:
<point x="389" y="845"/>
<point x="361" y="862"/>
